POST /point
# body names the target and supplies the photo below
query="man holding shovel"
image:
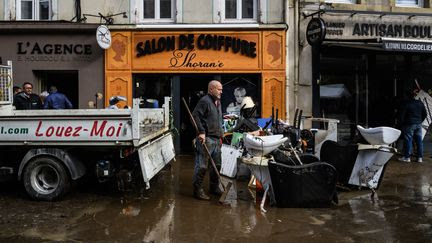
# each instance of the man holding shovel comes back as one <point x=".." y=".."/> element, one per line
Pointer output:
<point x="208" y="117"/>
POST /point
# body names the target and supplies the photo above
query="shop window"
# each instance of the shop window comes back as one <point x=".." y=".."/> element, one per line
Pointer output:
<point x="237" y="10"/>
<point x="34" y="9"/>
<point x="157" y="10"/>
<point x="409" y="3"/>
<point x="66" y="82"/>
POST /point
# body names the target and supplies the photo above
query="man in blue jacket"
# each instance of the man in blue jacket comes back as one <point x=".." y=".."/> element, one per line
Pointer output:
<point x="412" y="115"/>
<point x="56" y="100"/>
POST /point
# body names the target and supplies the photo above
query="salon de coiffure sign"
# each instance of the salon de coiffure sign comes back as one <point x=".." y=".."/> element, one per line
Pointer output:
<point x="206" y="51"/>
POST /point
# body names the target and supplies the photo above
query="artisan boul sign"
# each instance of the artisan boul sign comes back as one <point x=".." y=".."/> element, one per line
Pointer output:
<point x="371" y="26"/>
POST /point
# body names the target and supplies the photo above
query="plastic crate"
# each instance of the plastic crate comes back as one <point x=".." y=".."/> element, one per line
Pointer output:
<point x="229" y="160"/>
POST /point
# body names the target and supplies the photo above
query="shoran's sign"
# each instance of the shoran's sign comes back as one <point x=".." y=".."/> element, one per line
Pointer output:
<point x="198" y="50"/>
<point x="201" y="42"/>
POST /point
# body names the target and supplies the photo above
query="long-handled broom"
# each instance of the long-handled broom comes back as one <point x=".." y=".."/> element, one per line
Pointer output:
<point x="229" y="184"/>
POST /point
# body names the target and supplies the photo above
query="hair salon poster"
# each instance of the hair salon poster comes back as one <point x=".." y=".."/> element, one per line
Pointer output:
<point x="235" y="88"/>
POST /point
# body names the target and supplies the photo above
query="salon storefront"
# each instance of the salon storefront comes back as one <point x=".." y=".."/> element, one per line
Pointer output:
<point x="154" y="64"/>
<point x="62" y="54"/>
<point x="362" y="64"/>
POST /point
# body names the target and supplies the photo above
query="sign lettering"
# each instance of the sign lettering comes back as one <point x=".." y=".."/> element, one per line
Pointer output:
<point x="203" y="42"/>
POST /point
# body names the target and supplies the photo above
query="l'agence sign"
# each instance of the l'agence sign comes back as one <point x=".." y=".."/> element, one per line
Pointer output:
<point x="196" y="51"/>
<point x="53" y="52"/>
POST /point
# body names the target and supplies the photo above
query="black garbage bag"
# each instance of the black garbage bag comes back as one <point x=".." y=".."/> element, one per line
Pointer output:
<point x="303" y="186"/>
<point x="342" y="157"/>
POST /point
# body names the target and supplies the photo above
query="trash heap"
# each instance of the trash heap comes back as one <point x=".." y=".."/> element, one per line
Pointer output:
<point x="297" y="169"/>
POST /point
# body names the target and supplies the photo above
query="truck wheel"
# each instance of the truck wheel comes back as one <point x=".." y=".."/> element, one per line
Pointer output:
<point x="46" y="179"/>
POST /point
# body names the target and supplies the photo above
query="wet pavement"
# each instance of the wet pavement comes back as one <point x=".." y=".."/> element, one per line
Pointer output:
<point x="401" y="211"/>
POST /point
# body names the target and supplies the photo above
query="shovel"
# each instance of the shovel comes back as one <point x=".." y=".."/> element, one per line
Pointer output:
<point x="229" y="184"/>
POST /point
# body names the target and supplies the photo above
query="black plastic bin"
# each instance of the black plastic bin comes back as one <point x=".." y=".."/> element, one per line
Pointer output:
<point x="303" y="186"/>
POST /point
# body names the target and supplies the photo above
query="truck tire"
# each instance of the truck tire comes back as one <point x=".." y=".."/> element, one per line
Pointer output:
<point x="46" y="179"/>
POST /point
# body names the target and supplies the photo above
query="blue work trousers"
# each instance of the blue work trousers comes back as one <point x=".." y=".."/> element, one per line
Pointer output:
<point x="410" y="133"/>
<point x="202" y="162"/>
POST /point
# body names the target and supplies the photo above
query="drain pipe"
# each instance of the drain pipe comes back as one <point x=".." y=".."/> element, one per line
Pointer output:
<point x="287" y="8"/>
<point x="296" y="52"/>
<point x="292" y="66"/>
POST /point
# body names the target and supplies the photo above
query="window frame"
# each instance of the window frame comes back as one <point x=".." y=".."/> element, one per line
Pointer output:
<point x="420" y="4"/>
<point x="342" y="1"/>
<point x="223" y="19"/>
<point x="35" y="10"/>
<point x="156" y="19"/>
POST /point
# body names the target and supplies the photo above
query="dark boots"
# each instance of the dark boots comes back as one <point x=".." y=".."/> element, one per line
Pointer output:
<point x="197" y="181"/>
<point x="200" y="194"/>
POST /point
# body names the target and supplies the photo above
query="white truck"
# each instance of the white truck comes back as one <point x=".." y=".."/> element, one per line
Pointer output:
<point x="47" y="150"/>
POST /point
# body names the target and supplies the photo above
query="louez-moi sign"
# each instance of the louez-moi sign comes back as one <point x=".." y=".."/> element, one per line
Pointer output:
<point x="67" y="130"/>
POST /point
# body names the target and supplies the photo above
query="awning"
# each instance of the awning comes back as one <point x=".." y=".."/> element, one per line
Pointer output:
<point x="406" y="45"/>
<point x="384" y="44"/>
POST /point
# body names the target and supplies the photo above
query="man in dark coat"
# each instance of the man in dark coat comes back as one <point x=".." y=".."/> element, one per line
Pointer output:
<point x="27" y="100"/>
<point x="412" y="115"/>
<point x="208" y="117"/>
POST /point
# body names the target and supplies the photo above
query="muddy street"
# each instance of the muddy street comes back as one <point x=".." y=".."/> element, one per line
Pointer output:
<point x="400" y="211"/>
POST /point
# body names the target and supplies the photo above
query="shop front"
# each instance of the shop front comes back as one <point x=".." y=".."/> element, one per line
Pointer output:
<point x="364" y="65"/>
<point x="151" y="65"/>
<point x="65" y="55"/>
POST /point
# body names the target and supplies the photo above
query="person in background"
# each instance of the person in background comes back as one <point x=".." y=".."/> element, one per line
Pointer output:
<point x="208" y="117"/>
<point x="412" y="115"/>
<point x="43" y="96"/>
<point x="16" y="90"/>
<point x="114" y="100"/>
<point x="56" y="100"/>
<point x="27" y="100"/>
<point x="234" y="107"/>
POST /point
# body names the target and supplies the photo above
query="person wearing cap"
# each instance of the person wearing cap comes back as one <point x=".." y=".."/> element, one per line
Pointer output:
<point x="114" y="100"/>
<point x="56" y="100"/>
<point x="208" y="117"/>
<point x="16" y="90"/>
<point x="412" y="115"/>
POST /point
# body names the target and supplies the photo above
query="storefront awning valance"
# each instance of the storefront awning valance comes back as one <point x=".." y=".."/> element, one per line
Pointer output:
<point x="384" y="44"/>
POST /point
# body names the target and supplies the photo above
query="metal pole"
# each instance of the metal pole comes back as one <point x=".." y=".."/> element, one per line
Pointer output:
<point x="357" y="98"/>
<point x="367" y="93"/>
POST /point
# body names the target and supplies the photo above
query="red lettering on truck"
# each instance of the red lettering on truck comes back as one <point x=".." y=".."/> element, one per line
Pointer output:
<point x="37" y="130"/>
<point x="77" y="131"/>
<point x="98" y="131"/>
<point x="119" y="129"/>
<point x="58" y="131"/>
<point x="68" y="131"/>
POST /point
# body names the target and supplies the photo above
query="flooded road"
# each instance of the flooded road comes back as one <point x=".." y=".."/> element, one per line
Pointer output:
<point x="400" y="211"/>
